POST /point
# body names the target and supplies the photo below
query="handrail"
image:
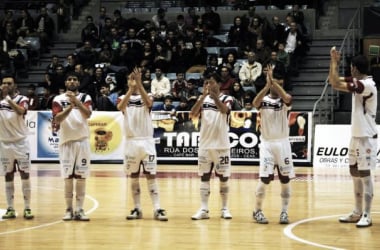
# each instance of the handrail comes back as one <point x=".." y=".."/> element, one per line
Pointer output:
<point x="348" y="44"/>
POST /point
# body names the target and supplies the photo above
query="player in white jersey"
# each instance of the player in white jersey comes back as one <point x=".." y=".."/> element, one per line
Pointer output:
<point x="71" y="111"/>
<point x="14" y="145"/>
<point x="140" y="150"/>
<point x="363" y="143"/>
<point x="275" y="150"/>
<point x="214" y="145"/>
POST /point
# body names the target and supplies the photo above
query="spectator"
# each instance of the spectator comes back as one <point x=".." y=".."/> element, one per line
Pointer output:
<point x="282" y="56"/>
<point x="45" y="29"/>
<point x="250" y="71"/>
<point x="262" y="51"/>
<point x="160" y="85"/>
<point x="295" y="47"/>
<point x="167" y="106"/>
<point x="180" y="57"/>
<point x="63" y="17"/>
<point x="199" y="58"/>
<point x="277" y="32"/>
<point x="143" y="33"/>
<point x="119" y="22"/>
<point x="46" y="99"/>
<point x="57" y="83"/>
<point x="160" y="16"/>
<point x="191" y="17"/>
<point x="179" y="86"/>
<point x="10" y="36"/>
<point x="70" y="63"/>
<point x="25" y="22"/>
<point x="212" y="20"/>
<point x="237" y="92"/>
<point x="105" y="31"/>
<point x="104" y="102"/>
<point x="237" y="33"/>
<point x="87" y="55"/>
<point x="192" y="92"/>
<point x="229" y="60"/>
<point x="147" y="56"/>
<point x="90" y="32"/>
<point x="226" y="80"/>
<point x="212" y="65"/>
<point x="102" y="18"/>
<point x="51" y="69"/>
<point x="146" y="80"/>
<point x="179" y="26"/>
<point x="162" y="57"/>
<point x="201" y="31"/>
<point x="33" y="98"/>
<point x="298" y="17"/>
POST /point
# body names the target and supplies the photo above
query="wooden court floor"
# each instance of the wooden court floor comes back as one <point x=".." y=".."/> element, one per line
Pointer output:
<point x="319" y="197"/>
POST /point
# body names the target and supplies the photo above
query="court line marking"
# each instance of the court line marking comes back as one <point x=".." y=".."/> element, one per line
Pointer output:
<point x="288" y="231"/>
<point x="92" y="209"/>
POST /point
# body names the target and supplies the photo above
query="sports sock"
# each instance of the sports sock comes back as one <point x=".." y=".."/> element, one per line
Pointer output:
<point x="358" y="193"/>
<point x="223" y="189"/>
<point x="285" y="196"/>
<point x="368" y="193"/>
<point x="135" y="189"/>
<point x="153" y="192"/>
<point x="80" y="190"/>
<point x="260" y="195"/>
<point x="10" y="190"/>
<point x="26" y="190"/>
<point x="69" y="192"/>
<point x="205" y="194"/>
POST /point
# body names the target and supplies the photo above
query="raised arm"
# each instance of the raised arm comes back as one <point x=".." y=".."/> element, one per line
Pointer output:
<point x="336" y="82"/>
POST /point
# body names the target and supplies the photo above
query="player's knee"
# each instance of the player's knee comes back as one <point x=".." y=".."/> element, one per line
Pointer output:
<point x="24" y="175"/>
<point x="135" y="175"/>
<point x="223" y="179"/>
<point x="265" y="180"/>
<point x="354" y="171"/>
<point x="9" y="176"/>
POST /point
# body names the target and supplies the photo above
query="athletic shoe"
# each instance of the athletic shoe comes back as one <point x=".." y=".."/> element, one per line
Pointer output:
<point x="10" y="214"/>
<point x="226" y="214"/>
<point x="68" y="215"/>
<point x="365" y="221"/>
<point x="28" y="214"/>
<point x="284" y="218"/>
<point x="350" y="218"/>
<point x="259" y="217"/>
<point x="202" y="214"/>
<point x="135" y="214"/>
<point x="81" y="216"/>
<point x="160" y="215"/>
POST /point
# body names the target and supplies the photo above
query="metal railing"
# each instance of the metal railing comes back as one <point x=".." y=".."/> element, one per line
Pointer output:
<point x="325" y="106"/>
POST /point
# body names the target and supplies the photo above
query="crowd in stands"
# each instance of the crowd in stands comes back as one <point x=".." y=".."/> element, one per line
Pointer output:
<point x="111" y="46"/>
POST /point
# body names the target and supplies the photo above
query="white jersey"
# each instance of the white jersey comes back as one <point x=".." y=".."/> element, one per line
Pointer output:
<point x="137" y="118"/>
<point x="274" y="123"/>
<point x="12" y="125"/>
<point x="364" y="106"/>
<point x="214" y="124"/>
<point x="74" y="127"/>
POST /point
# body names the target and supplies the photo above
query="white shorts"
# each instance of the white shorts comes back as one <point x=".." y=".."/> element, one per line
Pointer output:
<point x="18" y="151"/>
<point x="363" y="151"/>
<point x="276" y="152"/>
<point x="217" y="158"/>
<point x="74" y="158"/>
<point x="140" y="152"/>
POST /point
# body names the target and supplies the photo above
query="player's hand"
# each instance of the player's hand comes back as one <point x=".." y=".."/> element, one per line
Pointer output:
<point x="72" y="98"/>
<point x="335" y="54"/>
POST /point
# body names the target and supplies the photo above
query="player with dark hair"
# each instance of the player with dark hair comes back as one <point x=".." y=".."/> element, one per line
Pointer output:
<point x="214" y="146"/>
<point x="275" y="149"/>
<point x="363" y="143"/>
<point x="14" y="145"/>
<point x="70" y="112"/>
<point x="140" y="150"/>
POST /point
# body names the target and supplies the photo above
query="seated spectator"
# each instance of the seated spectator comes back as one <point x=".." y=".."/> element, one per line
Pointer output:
<point x="179" y="26"/>
<point x="160" y="85"/>
<point x="147" y="56"/>
<point x="104" y="102"/>
<point x="179" y="86"/>
<point x="199" y="58"/>
<point x="87" y="55"/>
<point x="51" y="70"/>
<point x="192" y="92"/>
<point x="237" y="33"/>
<point x="146" y="80"/>
<point x="10" y="36"/>
<point x="282" y="56"/>
<point x="46" y="99"/>
<point x="191" y="17"/>
<point x="162" y="57"/>
<point x="250" y="71"/>
<point x="33" y="98"/>
<point x="167" y="106"/>
<point x="212" y="20"/>
<point x="229" y="60"/>
<point x="90" y="32"/>
<point x="226" y="80"/>
<point x="160" y="16"/>
<point x="45" y="29"/>
<point x="212" y="65"/>
<point x="262" y="51"/>
<point x="248" y="107"/>
<point x="238" y="93"/>
<point x="57" y="80"/>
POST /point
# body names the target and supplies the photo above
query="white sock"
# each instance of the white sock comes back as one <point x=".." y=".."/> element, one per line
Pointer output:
<point x="135" y="189"/>
<point x="9" y="191"/>
<point x="69" y="193"/>
<point x="80" y="190"/>
<point x="358" y="193"/>
<point x="368" y="193"/>
<point x="260" y="195"/>
<point x="153" y="192"/>
<point x="205" y="194"/>
<point x="223" y="189"/>
<point x="285" y="196"/>
<point x="26" y="190"/>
